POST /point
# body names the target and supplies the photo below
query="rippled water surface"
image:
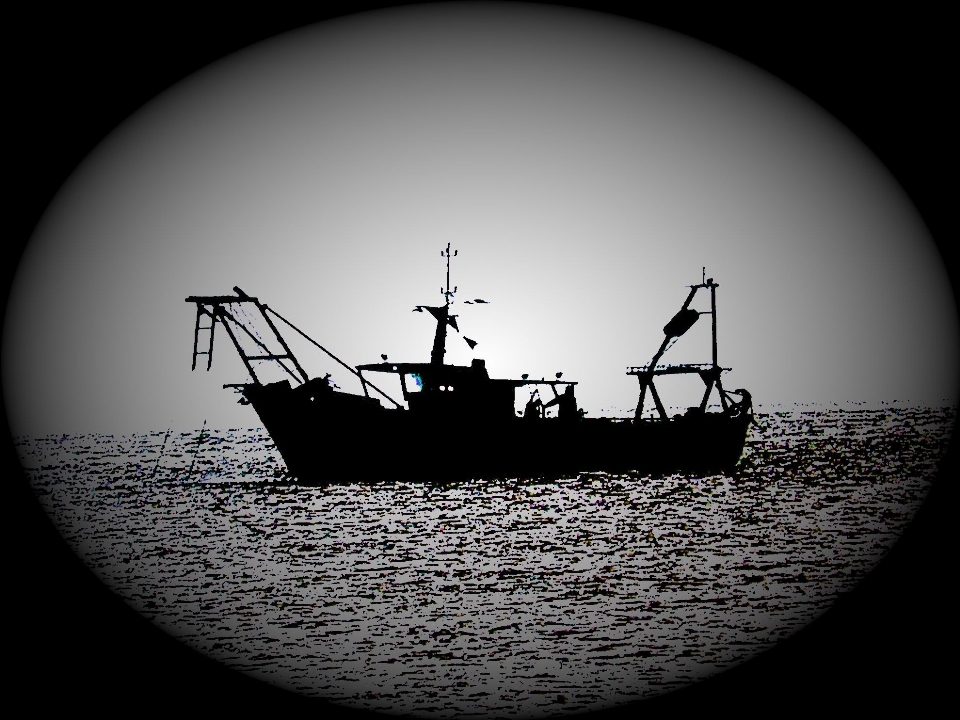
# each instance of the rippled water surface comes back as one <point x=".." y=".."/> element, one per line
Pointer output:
<point x="490" y="597"/>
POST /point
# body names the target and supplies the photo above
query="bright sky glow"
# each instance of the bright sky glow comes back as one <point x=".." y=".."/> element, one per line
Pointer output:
<point x="586" y="168"/>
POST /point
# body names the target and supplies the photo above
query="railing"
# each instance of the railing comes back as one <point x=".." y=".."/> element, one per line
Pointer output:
<point x="680" y="369"/>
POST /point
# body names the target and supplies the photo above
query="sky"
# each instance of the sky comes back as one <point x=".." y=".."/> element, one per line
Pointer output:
<point x="586" y="168"/>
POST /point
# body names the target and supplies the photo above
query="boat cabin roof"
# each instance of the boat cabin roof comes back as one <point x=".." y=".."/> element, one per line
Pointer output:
<point x="476" y="371"/>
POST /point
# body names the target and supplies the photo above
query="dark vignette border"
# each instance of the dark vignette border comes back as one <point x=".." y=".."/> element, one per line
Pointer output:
<point x="74" y="75"/>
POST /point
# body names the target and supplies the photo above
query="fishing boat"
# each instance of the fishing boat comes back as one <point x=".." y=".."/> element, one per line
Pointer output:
<point x="457" y="421"/>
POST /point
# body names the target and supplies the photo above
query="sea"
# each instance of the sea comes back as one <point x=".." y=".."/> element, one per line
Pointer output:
<point x="497" y="597"/>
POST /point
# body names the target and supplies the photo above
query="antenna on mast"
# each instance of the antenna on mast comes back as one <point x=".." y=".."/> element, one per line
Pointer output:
<point x="442" y="314"/>
<point x="448" y="293"/>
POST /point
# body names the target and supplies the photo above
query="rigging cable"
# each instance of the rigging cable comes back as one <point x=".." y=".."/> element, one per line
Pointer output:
<point x="352" y="370"/>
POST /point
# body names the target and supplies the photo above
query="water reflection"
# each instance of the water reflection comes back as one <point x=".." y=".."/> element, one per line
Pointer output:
<point x="489" y="597"/>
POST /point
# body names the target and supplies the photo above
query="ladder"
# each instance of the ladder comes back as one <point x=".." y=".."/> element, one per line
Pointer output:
<point x="216" y="308"/>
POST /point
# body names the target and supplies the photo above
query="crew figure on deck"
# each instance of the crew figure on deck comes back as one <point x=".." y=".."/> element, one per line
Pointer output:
<point x="534" y="407"/>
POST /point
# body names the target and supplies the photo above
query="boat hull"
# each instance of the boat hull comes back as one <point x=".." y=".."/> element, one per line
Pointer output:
<point x="343" y="438"/>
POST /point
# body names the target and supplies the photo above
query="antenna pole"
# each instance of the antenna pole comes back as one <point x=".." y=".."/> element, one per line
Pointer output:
<point x="713" y="317"/>
<point x="443" y="316"/>
<point x="447" y="294"/>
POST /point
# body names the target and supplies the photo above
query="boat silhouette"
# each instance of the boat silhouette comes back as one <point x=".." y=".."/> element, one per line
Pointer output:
<point x="325" y="435"/>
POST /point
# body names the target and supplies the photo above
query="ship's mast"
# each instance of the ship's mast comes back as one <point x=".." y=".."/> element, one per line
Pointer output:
<point x="442" y="314"/>
<point x="681" y="322"/>
<point x="448" y="293"/>
<point x="713" y="317"/>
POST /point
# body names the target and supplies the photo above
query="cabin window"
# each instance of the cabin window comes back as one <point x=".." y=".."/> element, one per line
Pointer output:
<point x="415" y="384"/>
